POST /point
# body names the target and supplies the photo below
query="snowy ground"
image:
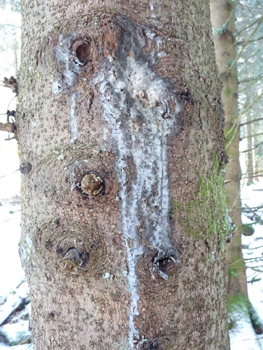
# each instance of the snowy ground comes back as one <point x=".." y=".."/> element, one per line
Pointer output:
<point x="11" y="271"/>
<point x="12" y="278"/>
<point x="243" y="336"/>
<point x="18" y="347"/>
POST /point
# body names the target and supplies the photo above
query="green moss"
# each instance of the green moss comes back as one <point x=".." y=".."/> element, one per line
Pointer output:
<point x="206" y="214"/>
<point x="227" y="91"/>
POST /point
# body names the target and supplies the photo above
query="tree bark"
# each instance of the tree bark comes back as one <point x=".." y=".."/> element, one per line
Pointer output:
<point x="223" y="17"/>
<point x="123" y="216"/>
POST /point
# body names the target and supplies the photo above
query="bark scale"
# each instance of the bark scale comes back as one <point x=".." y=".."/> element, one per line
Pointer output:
<point x="120" y="118"/>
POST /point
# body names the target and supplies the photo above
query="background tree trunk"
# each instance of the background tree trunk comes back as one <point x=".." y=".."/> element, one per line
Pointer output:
<point x="258" y="166"/>
<point x="123" y="223"/>
<point x="223" y="22"/>
<point x="250" y="166"/>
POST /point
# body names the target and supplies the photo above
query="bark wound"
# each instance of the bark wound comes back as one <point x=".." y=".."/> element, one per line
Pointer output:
<point x="83" y="53"/>
<point x="142" y="110"/>
<point x="72" y="54"/>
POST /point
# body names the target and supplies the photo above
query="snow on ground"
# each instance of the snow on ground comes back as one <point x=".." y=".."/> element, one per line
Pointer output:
<point x="13" y="288"/>
<point x="255" y="244"/>
<point x="243" y="336"/>
<point x="18" y="347"/>
<point x="11" y="271"/>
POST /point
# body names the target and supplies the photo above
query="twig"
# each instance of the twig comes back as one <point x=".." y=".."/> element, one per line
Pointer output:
<point x="247" y="137"/>
<point x="251" y="121"/>
<point x="248" y="26"/>
<point x="245" y="44"/>
<point x="9" y="127"/>
<point x="251" y="149"/>
<point x="261" y="246"/>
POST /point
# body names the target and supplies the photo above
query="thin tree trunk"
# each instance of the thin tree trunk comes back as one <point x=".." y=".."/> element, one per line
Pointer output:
<point x="250" y="167"/>
<point x="123" y="215"/>
<point x="223" y="17"/>
<point x="258" y="161"/>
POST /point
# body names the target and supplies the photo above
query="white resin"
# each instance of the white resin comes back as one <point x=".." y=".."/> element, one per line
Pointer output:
<point x="141" y="120"/>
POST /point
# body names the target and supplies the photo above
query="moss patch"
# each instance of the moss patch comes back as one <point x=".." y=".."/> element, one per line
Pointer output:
<point x="227" y="91"/>
<point x="206" y="214"/>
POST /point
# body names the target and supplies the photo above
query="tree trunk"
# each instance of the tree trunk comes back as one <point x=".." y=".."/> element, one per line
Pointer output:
<point x="258" y="162"/>
<point x="123" y="213"/>
<point x="250" y="167"/>
<point x="223" y="22"/>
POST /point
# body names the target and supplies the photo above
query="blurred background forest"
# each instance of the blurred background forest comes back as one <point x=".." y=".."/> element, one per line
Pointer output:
<point x="238" y="37"/>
